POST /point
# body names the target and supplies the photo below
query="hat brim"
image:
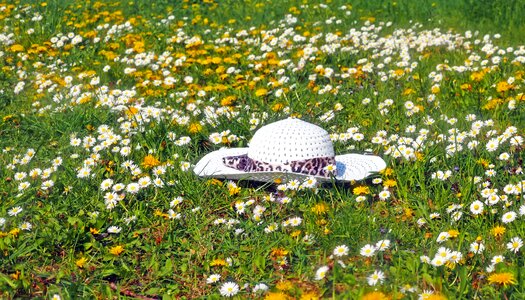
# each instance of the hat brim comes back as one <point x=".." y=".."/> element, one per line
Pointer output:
<point x="350" y="167"/>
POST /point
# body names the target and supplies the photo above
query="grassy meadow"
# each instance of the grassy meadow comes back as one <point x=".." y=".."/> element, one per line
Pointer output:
<point x="105" y="106"/>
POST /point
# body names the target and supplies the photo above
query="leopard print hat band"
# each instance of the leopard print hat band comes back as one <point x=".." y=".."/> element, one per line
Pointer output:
<point x="319" y="166"/>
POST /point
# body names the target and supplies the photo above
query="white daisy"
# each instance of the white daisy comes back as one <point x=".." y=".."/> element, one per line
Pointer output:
<point x="229" y="289"/>
<point x="508" y="217"/>
<point x="213" y="278"/>
<point x="476" y="207"/>
<point x="515" y="244"/>
<point x="368" y="250"/>
<point x="376" y="277"/>
<point x="443" y="236"/>
<point x="321" y="272"/>
<point x="341" y="250"/>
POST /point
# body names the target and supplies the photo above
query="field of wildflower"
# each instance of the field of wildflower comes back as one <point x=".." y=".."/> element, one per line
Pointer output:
<point x="106" y="106"/>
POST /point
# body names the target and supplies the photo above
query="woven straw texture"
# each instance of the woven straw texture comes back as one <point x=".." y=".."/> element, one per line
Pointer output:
<point x="290" y="140"/>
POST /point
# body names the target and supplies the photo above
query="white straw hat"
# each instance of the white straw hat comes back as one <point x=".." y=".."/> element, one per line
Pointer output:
<point x="288" y="149"/>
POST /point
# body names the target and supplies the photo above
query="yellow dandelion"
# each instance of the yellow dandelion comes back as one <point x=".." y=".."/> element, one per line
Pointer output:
<point x="327" y="230"/>
<point x="150" y="161"/>
<point x="261" y="92"/>
<point x="492" y="104"/>
<point x="453" y="233"/>
<point x="435" y="297"/>
<point x="320" y="208"/>
<point x="387" y="171"/>
<point x="321" y="222"/>
<point x="295" y="233"/>
<point x="116" y="250"/>
<point x="14" y="232"/>
<point x="375" y="295"/>
<point x="409" y="213"/>
<point x="503" y="279"/>
<point x="399" y="72"/>
<point x="16" y="275"/>
<point x="138" y="46"/>
<point x="503" y="86"/>
<point x="279" y="252"/>
<point x="84" y="99"/>
<point x="277" y="107"/>
<point x="451" y="265"/>
<point x="131" y="111"/>
<point x="485" y="163"/>
<point x="276" y="296"/>
<point x="90" y="34"/>
<point x="228" y="101"/>
<point x="16" y="48"/>
<point x="361" y="190"/>
<point x="81" y="262"/>
<point x="214" y="181"/>
<point x="477" y="76"/>
<point x="498" y="231"/>
<point x="389" y="183"/>
<point x="408" y="91"/>
<point x="7" y="118"/>
<point x="234" y="190"/>
<point x="310" y="296"/>
<point x="284" y="285"/>
<point x="466" y="87"/>
<point x="218" y="262"/>
<point x="195" y="127"/>
<point x="294" y="10"/>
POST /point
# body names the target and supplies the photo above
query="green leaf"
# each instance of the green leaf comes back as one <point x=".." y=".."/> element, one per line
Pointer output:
<point x="184" y="267"/>
<point x="7" y="280"/>
<point x="168" y="267"/>
<point x="428" y="278"/>
<point x="153" y="291"/>
<point x="108" y="272"/>
<point x="88" y="246"/>
<point x="166" y="297"/>
<point x="126" y="267"/>
<point x="463" y="280"/>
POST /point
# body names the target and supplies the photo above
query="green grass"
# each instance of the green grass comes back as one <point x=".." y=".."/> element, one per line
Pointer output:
<point x="63" y="116"/>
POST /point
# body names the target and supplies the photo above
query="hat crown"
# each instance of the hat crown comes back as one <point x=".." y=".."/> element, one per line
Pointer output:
<point x="290" y="140"/>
